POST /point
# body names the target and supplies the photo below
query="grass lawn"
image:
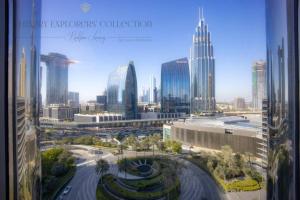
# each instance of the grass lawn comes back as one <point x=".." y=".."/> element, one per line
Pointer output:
<point x="101" y="194"/>
<point x="144" y="182"/>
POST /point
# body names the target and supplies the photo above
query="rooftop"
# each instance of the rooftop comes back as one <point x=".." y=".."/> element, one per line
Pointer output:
<point x="239" y="125"/>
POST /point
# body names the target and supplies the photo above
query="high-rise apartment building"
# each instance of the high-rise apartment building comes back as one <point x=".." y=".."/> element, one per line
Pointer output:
<point x="239" y="103"/>
<point x="283" y="99"/>
<point x="73" y="99"/>
<point x="202" y="63"/>
<point x="153" y="91"/>
<point x="175" y="84"/>
<point x="258" y="84"/>
<point x="122" y="91"/>
<point x="57" y="78"/>
<point x="102" y="100"/>
<point x="145" y="97"/>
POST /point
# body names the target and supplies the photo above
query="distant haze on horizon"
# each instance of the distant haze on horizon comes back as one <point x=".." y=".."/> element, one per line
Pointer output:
<point x="105" y="34"/>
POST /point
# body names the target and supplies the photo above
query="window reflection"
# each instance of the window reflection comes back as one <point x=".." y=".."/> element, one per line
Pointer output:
<point x="26" y="121"/>
<point x="280" y="55"/>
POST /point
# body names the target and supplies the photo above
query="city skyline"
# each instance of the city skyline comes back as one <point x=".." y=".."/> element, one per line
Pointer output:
<point x="95" y="59"/>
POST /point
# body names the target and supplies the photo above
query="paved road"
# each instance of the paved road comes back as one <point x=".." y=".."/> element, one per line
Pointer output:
<point x="85" y="181"/>
<point x="195" y="183"/>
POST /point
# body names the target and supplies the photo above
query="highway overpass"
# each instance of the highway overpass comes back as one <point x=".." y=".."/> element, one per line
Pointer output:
<point x="106" y="124"/>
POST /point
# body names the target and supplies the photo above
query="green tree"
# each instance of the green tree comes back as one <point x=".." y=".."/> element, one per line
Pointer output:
<point x="227" y="155"/>
<point x="176" y="147"/>
<point x="238" y="161"/>
<point x="49" y="157"/>
<point x="145" y="143"/>
<point x="249" y="157"/>
<point x="102" y="167"/>
<point x="161" y="146"/>
<point x="154" y="140"/>
<point x="66" y="159"/>
<point x="58" y="169"/>
<point x="131" y="141"/>
<point x="168" y="144"/>
<point x="67" y="140"/>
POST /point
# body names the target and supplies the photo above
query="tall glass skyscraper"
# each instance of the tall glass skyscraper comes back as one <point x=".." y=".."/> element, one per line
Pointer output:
<point x="122" y="91"/>
<point x="258" y="84"/>
<point x="57" y="78"/>
<point x="153" y="90"/>
<point x="283" y="99"/>
<point x="175" y="86"/>
<point x="202" y="63"/>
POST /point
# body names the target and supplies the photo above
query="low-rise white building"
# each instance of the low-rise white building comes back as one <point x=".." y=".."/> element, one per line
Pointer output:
<point x="100" y="117"/>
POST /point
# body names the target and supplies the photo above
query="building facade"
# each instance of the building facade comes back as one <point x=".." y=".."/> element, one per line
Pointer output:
<point x="59" y="112"/>
<point x="202" y="63"/>
<point x="159" y="115"/>
<point x="102" y="100"/>
<point x="239" y="103"/>
<point x="175" y="84"/>
<point x="214" y="132"/>
<point x="91" y="108"/>
<point x="73" y="99"/>
<point x="122" y="91"/>
<point x="283" y="99"/>
<point x="57" y="78"/>
<point x="101" y="117"/>
<point x="258" y="84"/>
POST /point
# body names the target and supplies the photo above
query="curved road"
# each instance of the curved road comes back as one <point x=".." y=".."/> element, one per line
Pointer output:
<point x="85" y="180"/>
<point x="195" y="183"/>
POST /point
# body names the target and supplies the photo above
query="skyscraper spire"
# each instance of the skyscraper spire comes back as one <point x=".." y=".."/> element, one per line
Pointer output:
<point x="201" y="14"/>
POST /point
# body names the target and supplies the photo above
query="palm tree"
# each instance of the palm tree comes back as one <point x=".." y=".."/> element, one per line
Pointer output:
<point x="102" y="167"/>
<point x="154" y="140"/>
<point x="249" y="157"/>
<point x="145" y="144"/>
<point x="131" y="140"/>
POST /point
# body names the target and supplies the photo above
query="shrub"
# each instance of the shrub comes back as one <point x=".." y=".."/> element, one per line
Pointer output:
<point x="225" y="173"/>
<point x="49" y="183"/>
<point x="58" y="169"/>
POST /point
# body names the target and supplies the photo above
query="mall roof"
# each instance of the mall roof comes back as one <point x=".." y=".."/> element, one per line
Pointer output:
<point x="242" y="125"/>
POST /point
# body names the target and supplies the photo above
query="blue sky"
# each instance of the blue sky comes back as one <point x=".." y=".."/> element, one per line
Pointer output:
<point x="237" y="28"/>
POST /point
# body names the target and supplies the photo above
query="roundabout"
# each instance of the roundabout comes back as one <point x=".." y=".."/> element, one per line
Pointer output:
<point x="194" y="183"/>
<point x="157" y="179"/>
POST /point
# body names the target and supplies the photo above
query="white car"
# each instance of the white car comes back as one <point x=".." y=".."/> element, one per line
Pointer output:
<point x="67" y="190"/>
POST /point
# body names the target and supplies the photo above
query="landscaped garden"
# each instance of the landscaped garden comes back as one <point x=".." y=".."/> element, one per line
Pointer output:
<point x="233" y="172"/>
<point x="146" y="178"/>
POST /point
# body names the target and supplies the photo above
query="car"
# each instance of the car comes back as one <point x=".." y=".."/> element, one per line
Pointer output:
<point x="67" y="190"/>
<point x="60" y="197"/>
